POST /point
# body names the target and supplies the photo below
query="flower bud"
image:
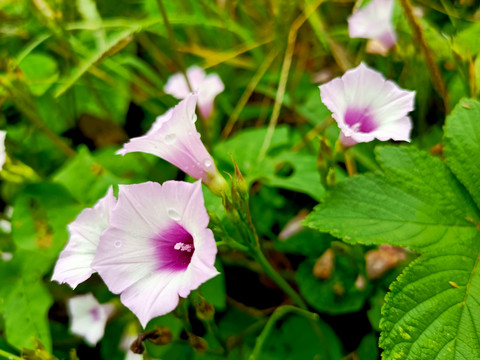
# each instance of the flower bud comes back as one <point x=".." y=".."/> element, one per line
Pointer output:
<point x="161" y="335"/>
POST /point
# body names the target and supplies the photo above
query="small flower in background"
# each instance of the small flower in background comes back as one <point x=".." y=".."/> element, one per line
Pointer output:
<point x="207" y="86"/>
<point x="3" y="154"/>
<point x="88" y="317"/>
<point x="367" y="107"/>
<point x="129" y="336"/>
<point x="374" y="21"/>
<point x="174" y="138"/>
<point x="157" y="248"/>
<point x="74" y="264"/>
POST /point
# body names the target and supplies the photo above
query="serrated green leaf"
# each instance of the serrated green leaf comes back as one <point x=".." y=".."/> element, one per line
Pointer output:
<point x="433" y="309"/>
<point x="416" y="202"/>
<point x="462" y="145"/>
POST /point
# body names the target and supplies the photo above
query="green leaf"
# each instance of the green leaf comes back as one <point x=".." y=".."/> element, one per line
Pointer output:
<point x="295" y="339"/>
<point x="41" y="72"/>
<point x="432" y="311"/>
<point x="25" y="300"/>
<point x="337" y="294"/>
<point x="462" y="145"/>
<point x="367" y="350"/>
<point x="395" y="207"/>
<point x="465" y="43"/>
<point x="281" y="168"/>
<point x="214" y="289"/>
<point x="40" y="218"/>
<point x="85" y="178"/>
<point x="93" y="58"/>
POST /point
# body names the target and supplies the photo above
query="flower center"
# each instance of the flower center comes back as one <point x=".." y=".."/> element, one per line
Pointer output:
<point x="95" y="314"/>
<point x="183" y="247"/>
<point x="360" y="120"/>
<point x="173" y="248"/>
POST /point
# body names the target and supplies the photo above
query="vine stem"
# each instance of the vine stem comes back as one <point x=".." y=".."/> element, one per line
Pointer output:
<point x="173" y="43"/>
<point x="276" y="316"/>
<point x="435" y="74"/>
<point x="275" y="276"/>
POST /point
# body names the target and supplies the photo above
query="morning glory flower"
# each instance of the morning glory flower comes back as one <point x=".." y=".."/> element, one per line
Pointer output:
<point x="367" y="107"/>
<point x="374" y="21"/>
<point x="174" y="138"/>
<point x="88" y="318"/>
<point x="74" y="264"/>
<point x="207" y="86"/>
<point x="157" y="248"/>
<point x="3" y="154"/>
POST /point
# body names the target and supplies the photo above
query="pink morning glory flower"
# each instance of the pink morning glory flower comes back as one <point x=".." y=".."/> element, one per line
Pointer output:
<point x="74" y="264"/>
<point x="374" y="21"/>
<point x="174" y="138"/>
<point x="207" y="86"/>
<point x="88" y="318"/>
<point x="157" y="248"/>
<point x="3" y="154"/>
<point x="367" y="107"/>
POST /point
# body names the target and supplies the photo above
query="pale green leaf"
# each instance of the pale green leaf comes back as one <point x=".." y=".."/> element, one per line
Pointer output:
<point x="25" y="300"/>
<point x="462" y="145"/>
<point x="416" y="202"/>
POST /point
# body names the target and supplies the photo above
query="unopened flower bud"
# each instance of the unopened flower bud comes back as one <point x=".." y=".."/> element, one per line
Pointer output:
<point x="197" y="343"/>
<point x="379" y="261"/>
<point x="324" y="265"/>
<point x="205" y="310"/>
<point x="240" y="183"/>
<point x="216" y="183"/>
<point x="137" y="346"/>
<point x="161" y="335"/>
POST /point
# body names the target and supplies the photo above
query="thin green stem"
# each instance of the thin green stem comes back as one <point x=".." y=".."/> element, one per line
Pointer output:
<point x="9" y="356"/>
<point x="248" y="92"/>
<point x="435" y="73"/>
<point x="287" y="62"/>
<point x="233" y="245"/>
<point x="279" y="313"/>
<point x="275" y="276"/>
<point x="173" y="42"/>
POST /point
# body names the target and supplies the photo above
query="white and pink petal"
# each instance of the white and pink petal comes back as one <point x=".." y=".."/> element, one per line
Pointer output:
<point x="74" y="263"/>
<point x="157" y="247"/>
<point x="374" y="21"/>
<point x="367" y="106"/>
<point x="88" y="318"/>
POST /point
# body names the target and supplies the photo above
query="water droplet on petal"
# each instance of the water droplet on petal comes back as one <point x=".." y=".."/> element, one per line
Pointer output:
<point x="174" y="215"/>
<point x="207" y="162"/>
<point x="170" y="138"/>
<point x="194" y="117"/>
<point x="117" y="243"/>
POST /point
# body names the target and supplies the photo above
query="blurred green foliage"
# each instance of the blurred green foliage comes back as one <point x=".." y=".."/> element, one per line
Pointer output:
<point x="78" y="78"/>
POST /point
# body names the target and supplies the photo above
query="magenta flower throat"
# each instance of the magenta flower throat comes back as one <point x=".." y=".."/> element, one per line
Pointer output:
<point x="360" y="120"/>
<point x="174" y="248"/>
